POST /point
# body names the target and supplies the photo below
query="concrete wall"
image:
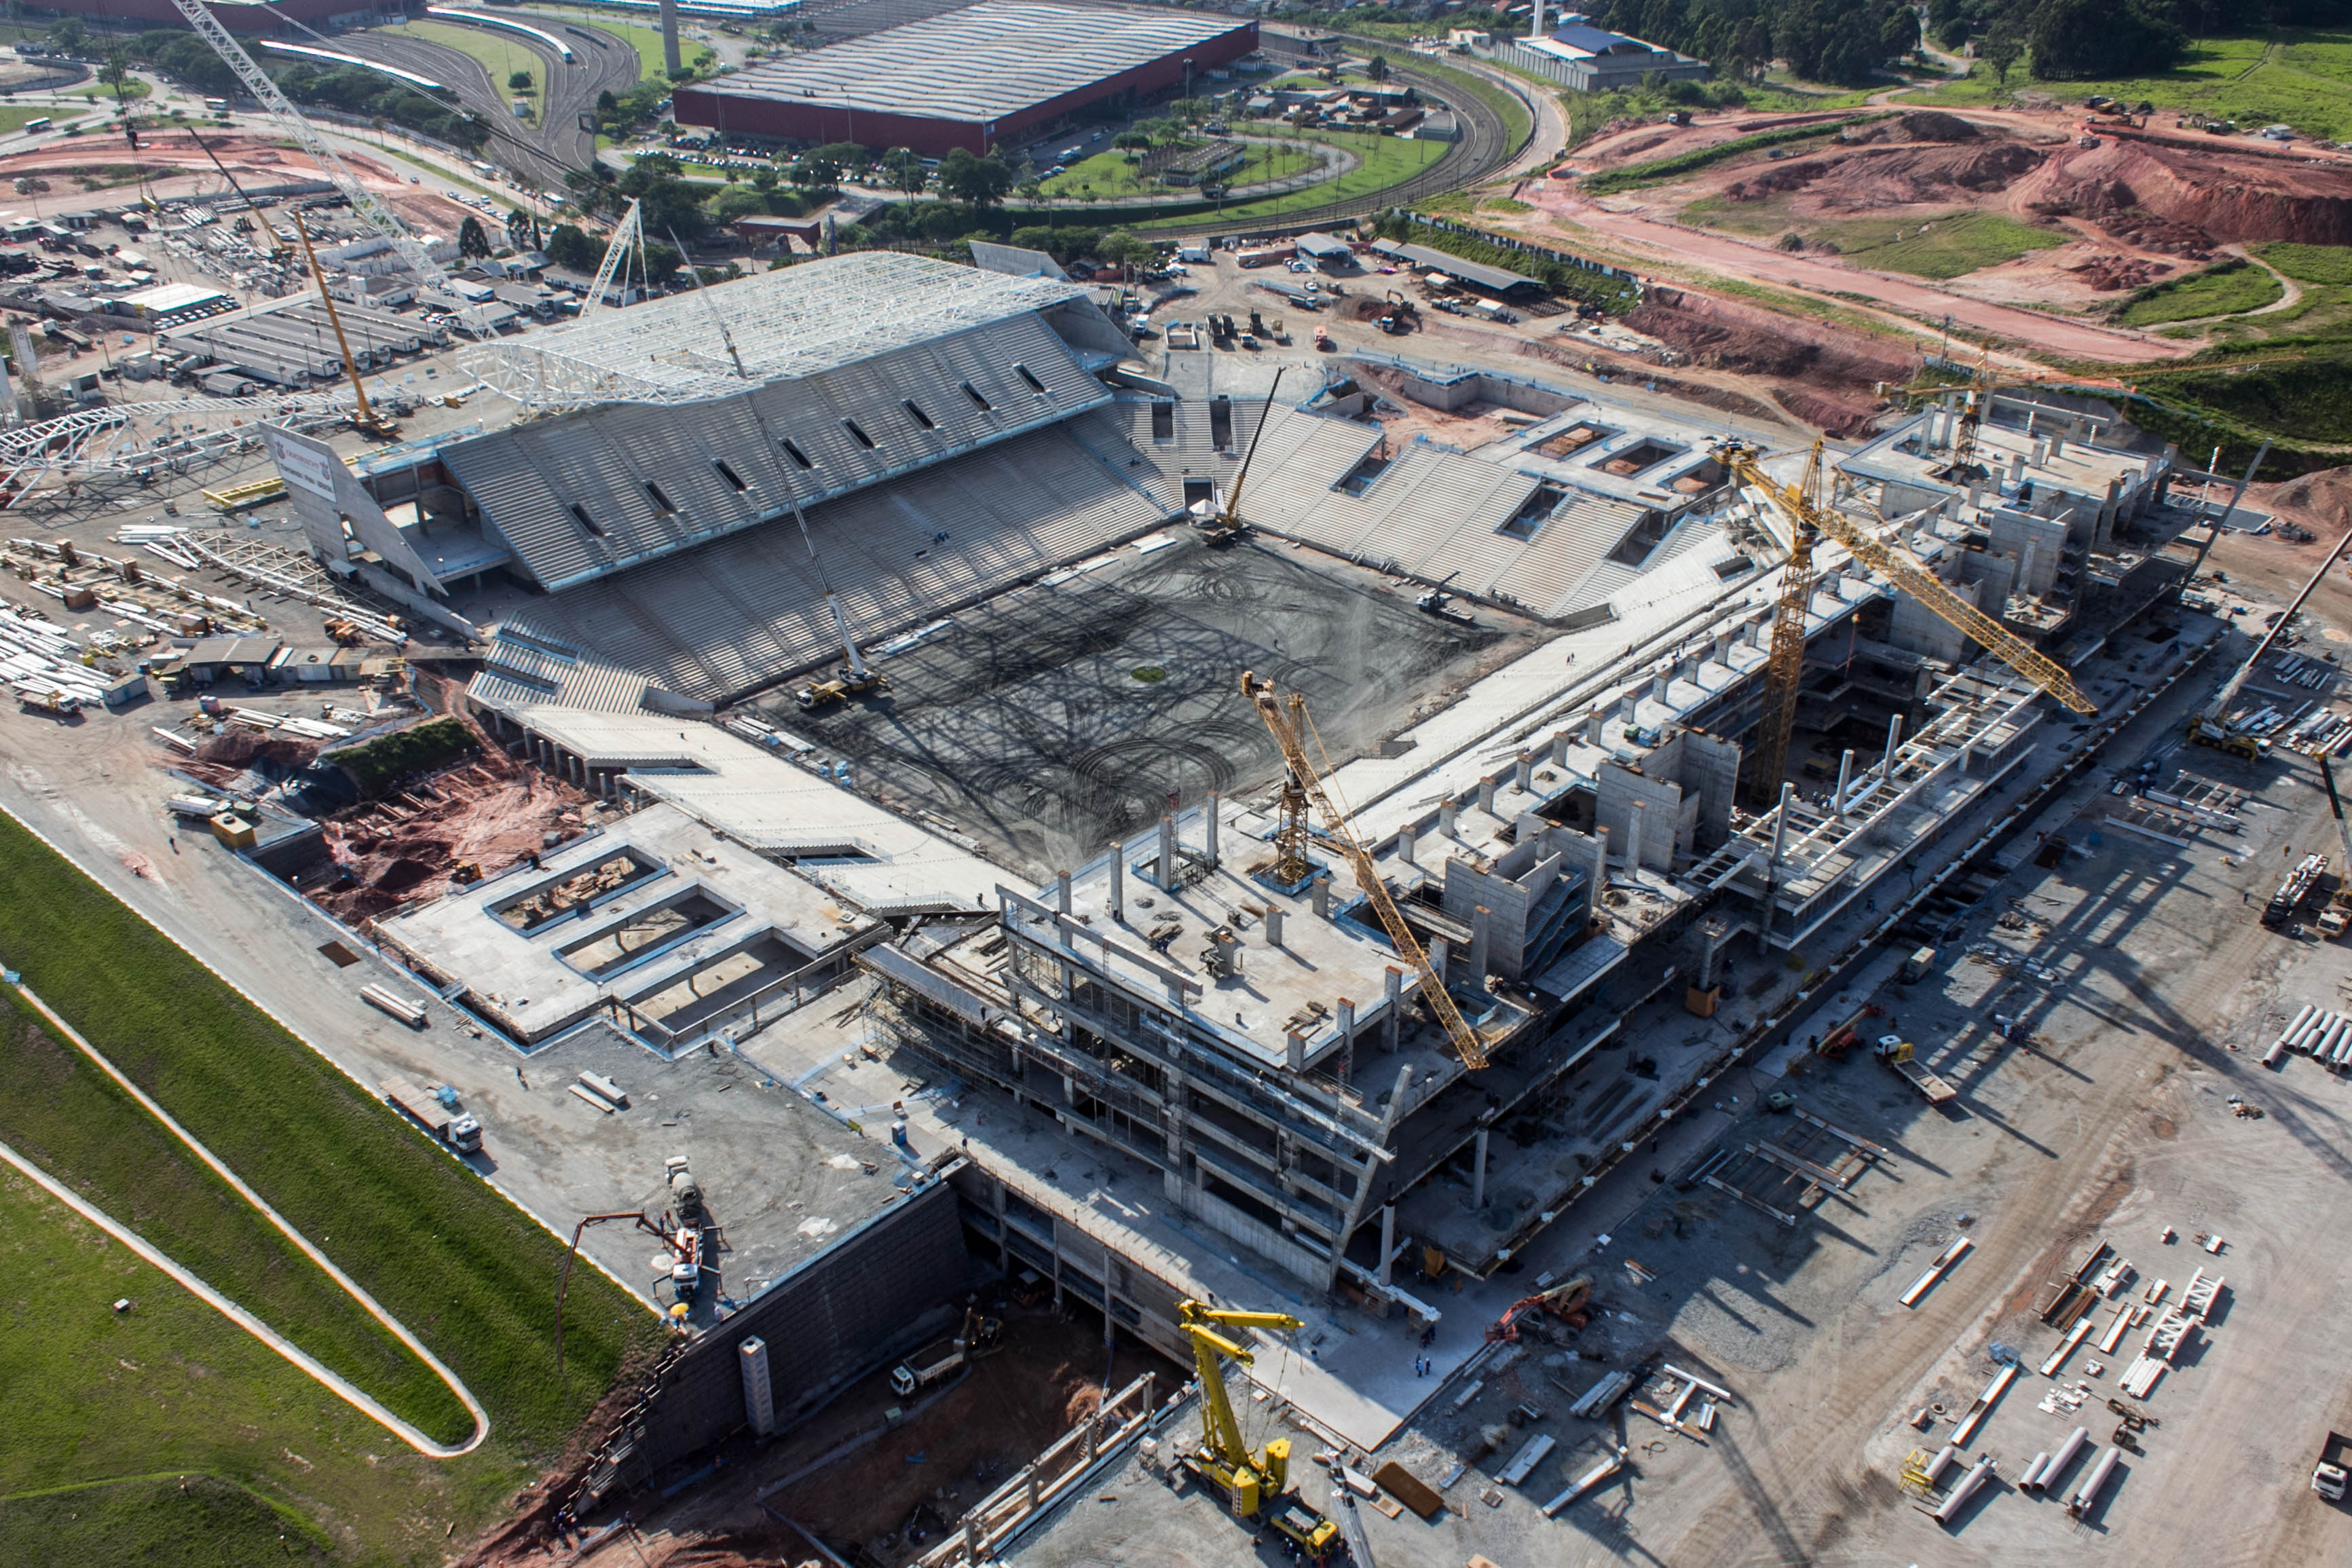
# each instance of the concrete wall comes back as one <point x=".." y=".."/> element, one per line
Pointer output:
<point x="1921" y="630"/>
<point x="2013" y="531"/>
<point x="843" y="1310"/>
<point x="1618" y="787"/>
<point x="1711" y="773"/>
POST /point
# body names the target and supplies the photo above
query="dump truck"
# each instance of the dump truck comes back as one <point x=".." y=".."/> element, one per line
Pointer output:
<point x="461" y="1132"/>
<point x="1904" y="1057"/>
<point x="2328" y="1476"/>
<point x="977" y="1338"/>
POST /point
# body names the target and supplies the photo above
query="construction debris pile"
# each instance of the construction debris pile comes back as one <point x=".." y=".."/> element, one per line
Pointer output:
<point x="416" y="842"/>
<point x="570" y="893"/>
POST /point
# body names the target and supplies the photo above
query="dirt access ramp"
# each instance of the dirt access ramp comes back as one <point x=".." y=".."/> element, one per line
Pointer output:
<point x="1826" y="375"/>
<point x="251" y="159"/>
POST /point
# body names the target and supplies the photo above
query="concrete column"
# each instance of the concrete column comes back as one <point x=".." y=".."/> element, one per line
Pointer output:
<point x="1633" y="838"/>
<point x="2057" y="443"/>
<point x="1687" y="668"/>
<point x="1486" y="794"/>
<point x="1523" y="770"/>
<point x="1482" y="923"/>
<point x="1845" y="778"/>
<point x="1625" y="704"/>
<point x="2016" y="467"/>
<point x="1167" y="854"/>
<point x="1599" y="868"/>
<point x="1296" y="1042"/>
<point x="1062" y="891"/>
<point x="1658" y="688"/>
<point x="1976" y="495"/>
<point x="1210" y="817"/>
<point x="1721" y="653"/>
<point x="1593" y="726"/>
<point x="1894" y="738"/>
<point x="1781" y="823"/>
<point x="1446" y="809"/>
<point x="1478" y="1173"/>
<point x="970" y="1521"/>
<point x="1405" y="836"/>
<point x="1272" y="928"/>
<point x="1320" y="890"/>
<point x="1346" y="1010"/>
<point x="1437" y="955"/>
<point x="1388" y="1238"/>
<point x="1392" y="996"/>
<point x="1118" y="884"/>
<point x="1559" y="743"/>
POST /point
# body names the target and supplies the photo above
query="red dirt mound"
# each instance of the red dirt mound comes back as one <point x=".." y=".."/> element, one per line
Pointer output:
<point x="2109" y="274"/>
<point x="1918" y="125"/>
<point x="1826" y="373"/>
<point x="2116" y="208"/>
<point x="2223" y="198"/>
<point x="1861" y="181"/>
<point x="2323" y="497"/>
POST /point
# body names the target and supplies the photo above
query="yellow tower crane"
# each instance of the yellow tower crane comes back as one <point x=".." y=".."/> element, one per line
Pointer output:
<point x="1287" y="720"/>
<point x="1783" y="668"/>
<point x="1256" y="1482"/>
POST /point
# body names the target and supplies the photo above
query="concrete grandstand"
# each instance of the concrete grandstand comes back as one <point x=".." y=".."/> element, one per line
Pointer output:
<point x="969" y="79"/>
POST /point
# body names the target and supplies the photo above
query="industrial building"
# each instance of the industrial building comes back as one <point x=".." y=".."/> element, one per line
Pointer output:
<point x="1579" y="55"/>
<point x="969" y="79"/>
<point x="1200" y="1060"/>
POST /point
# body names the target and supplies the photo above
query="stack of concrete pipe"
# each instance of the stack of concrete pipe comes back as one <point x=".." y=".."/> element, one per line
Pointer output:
<point x="2327" y="1036"/>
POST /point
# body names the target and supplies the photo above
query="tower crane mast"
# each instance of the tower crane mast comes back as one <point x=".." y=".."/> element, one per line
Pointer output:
<point x="1286" y="720"/>
<point x="365" y="202"/>
<point x="1812" y="518"/>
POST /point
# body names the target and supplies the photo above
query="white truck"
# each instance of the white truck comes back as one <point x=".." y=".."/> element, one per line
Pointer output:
<point x="459" y="1130"/>
<point x="2328" y="1476"/>
<point x="977" y="1338"/>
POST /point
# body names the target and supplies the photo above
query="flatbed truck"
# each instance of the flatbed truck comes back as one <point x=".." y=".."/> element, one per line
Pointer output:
<point x="1903" y="1057"/>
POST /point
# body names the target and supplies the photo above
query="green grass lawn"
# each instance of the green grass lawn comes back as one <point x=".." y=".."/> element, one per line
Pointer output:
<point x="2229" y="289"/>
<point x="15" y="117"/>
<point x="648" y="41"/>
<point x="441" y="1249"/>
<point x="108" y="1413"/>
<point x="2309" y="263"/>
<point x="1949" y="245"/>
<point x="73" y="1122"/>
<point x="1109" y="175"/>
<point x="498" y="54"/>
<point x="2298" y="78"/>
<point x="1386" y="161"/>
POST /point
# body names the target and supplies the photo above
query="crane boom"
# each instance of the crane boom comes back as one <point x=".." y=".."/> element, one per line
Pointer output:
<point x="629" y="231"/>
<point x="1285" y="728"/>
<point x="1898" y="568"/>
<point x="364" y="201"/>
<point x="1784" y="665"/>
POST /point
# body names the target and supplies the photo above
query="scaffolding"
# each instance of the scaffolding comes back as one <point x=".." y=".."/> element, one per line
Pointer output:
<point x="815" y="317"/>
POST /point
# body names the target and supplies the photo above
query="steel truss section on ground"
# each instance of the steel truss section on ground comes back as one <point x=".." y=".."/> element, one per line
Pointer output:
<point x="131" y="440"/>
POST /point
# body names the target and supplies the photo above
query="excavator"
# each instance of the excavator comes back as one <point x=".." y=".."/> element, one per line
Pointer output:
<point x="1564" y="1300"/>
<point x="1256" y="1483"/>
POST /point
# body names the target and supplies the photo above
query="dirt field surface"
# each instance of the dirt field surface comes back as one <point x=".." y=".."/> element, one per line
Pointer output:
<point x="1824" y="375"/>
<point x="877" y="1491"/>
<point x="170" y="164"/>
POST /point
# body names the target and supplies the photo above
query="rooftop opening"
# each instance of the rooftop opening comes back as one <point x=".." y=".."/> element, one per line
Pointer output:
<point x="730" y="475"/>
<point x="1359" y="479"/>
<point x="1220" y="423"/>
<point x="917" y="415"/>
<point x="1164" y="422"/>
<point x="1642" y="539"/>
<point x="660" y="498"/>
<point x="1647" y="452"/>
<point x="581" y="514"/>
<point x="1035" y="384"/>
<point x="978" y="402"/>
<point x="1575" y="439"/>
<point x="857" y="435"/>
<point x="797" y="455"/>
<point x="1541" y="503"/>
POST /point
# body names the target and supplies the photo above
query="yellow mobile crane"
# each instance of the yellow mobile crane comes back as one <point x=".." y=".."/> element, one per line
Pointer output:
<point x="1785" y="665"/>
<point x="1255" y="1484"/>
<point x="1229" y="526"/>
<point x="1288" y="723"/>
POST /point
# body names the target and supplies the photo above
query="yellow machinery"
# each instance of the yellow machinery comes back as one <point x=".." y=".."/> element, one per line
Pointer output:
<point x="1785" y="665"/>
<point x="1288" y="723"/>
<point x="1229" y="526"/>
<point x="1256" y="1483"/>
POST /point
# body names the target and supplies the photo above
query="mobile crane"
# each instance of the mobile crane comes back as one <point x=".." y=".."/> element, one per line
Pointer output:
<point x="2338" y="913"/>
<point x="2210" y="725"/>
<point x="1288" y="723"/>
<point x="1229" y="526"/>
<point x="1256" y="1483"/>
<point x="1784" y="667"/>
